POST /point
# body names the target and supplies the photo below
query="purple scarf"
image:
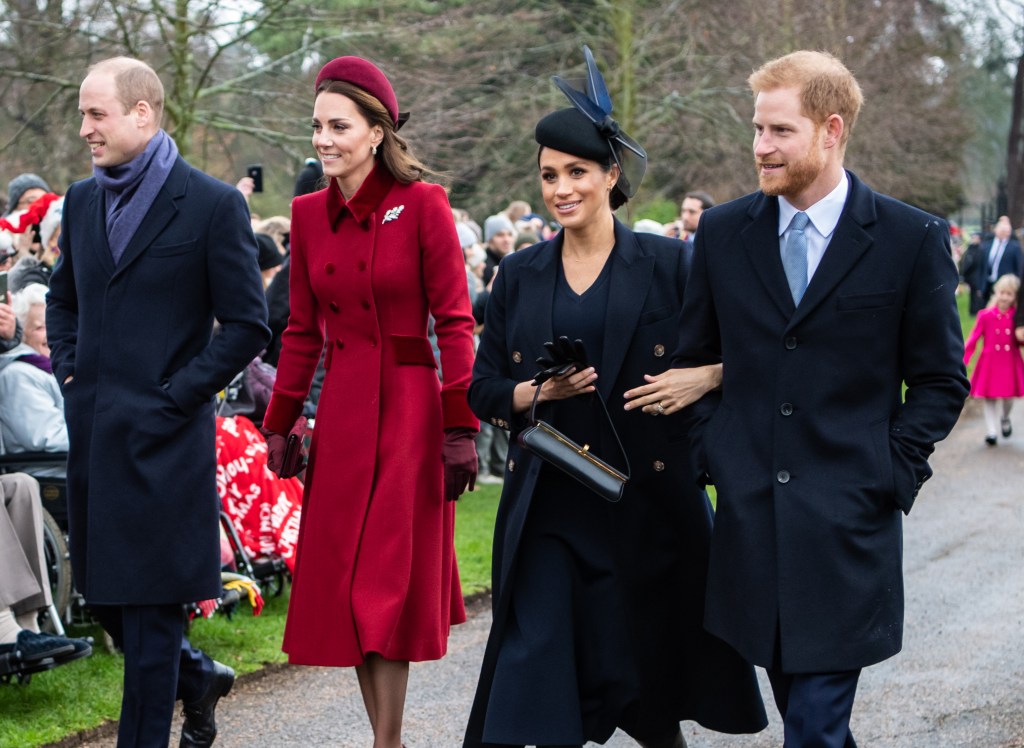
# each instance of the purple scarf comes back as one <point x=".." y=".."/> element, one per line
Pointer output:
<point x="37" y="360"/>
<point x="132" y="187"/>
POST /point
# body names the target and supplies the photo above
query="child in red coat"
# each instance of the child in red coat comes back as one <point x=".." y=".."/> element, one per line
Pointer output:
<point x="999" y="373"/>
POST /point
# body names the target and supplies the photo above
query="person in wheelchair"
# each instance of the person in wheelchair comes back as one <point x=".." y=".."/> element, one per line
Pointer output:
<point x="32" y="415"/>
<point x="25" y="586"/>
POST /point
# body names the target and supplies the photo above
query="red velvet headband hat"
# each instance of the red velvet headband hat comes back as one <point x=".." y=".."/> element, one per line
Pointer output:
<point x="367" y="76"/>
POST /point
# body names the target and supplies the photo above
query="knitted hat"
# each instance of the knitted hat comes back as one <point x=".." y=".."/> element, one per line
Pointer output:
<point x="19" y="186"/>
<point x="496" y="223"/>
<point x="466" y="236"/>
<point x="269" y="255"/>
<point x="308" y="177"/>
<point x="362" y="74"/>
<point x="26" y="271"/>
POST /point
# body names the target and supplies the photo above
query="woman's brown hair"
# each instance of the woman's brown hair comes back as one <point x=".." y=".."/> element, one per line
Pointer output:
<point x="393" y="151"/>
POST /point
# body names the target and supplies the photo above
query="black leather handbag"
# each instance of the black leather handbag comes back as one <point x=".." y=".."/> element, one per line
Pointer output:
<point x="554" y="447"/>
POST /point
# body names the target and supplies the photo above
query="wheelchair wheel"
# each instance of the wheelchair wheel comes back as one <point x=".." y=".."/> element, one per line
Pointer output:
<point x="58" y="563"/>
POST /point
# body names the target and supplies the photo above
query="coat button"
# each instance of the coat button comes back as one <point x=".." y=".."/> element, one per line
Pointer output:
<point x="361" y="265"/>
<point x="658" y="466"/>
<point x="517" y="357"/>
<point x="782" y="476"/>
<point x="339" y="343"/>
<point x="334" y="306"/>
<point x="329" y="268"/>
<point x="790" y="343"/>
<point x="659" y="350"/>
<point x="786" y="409"/>
<point x="364" y="304"/>
<point x="511" y="466"/>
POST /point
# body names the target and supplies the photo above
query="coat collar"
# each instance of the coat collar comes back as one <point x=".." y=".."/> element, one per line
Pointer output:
<point x="631" y="278"/>
<point x="849" y="242"/>
<point x="364" y="203"/>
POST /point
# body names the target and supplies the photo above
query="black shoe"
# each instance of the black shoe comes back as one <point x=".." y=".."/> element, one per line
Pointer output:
<point x="1007" y="426"/>
<point x="200" y="729"/>
<point x="32" y="647"/>
<point x="990" y="441"/>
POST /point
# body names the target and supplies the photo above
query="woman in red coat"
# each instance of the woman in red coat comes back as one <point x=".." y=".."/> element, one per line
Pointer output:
<point x="376" y="584"/>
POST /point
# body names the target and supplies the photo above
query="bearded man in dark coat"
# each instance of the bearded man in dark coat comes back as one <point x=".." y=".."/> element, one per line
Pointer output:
<point x="152" y="250"/>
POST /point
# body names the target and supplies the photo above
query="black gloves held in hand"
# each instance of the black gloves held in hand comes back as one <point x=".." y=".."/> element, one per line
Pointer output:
<point x="563" y="356"/>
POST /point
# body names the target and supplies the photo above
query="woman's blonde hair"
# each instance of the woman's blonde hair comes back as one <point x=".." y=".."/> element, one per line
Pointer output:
<point x="393" y="151"/>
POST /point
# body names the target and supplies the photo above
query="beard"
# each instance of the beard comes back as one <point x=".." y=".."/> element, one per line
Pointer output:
<point x="797" y="176"/>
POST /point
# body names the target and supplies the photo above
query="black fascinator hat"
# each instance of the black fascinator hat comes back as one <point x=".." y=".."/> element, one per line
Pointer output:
<point x="588" y="130"/>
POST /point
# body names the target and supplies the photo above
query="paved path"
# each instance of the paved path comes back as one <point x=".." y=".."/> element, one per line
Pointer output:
<point x="958" y="683"/>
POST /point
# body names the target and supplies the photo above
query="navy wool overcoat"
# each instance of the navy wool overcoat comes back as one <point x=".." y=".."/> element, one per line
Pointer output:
<point x="137" y="340"/>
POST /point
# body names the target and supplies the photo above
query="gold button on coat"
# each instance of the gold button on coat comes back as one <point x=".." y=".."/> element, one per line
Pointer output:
<point x="659" y="350"/>
<point x="517" y="357"/>
<point x="659" y="466"/>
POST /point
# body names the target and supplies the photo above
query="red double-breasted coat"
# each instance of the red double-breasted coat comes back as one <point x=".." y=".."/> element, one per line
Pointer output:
<point x="376" y="568"/>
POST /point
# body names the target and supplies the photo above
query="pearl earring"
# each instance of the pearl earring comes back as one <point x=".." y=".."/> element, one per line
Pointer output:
<point x="373" y="150"/>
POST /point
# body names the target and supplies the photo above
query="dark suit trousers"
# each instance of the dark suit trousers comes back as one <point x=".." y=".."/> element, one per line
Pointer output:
<point x="160" y="667"/>
<point x="815" y="707"/>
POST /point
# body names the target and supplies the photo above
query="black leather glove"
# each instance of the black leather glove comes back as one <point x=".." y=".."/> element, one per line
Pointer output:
<point x="458" y="453"/>
<point x="563" y="356"/>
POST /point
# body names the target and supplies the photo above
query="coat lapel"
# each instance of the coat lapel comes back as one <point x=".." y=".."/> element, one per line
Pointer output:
<point x="760" y="239"/>
<point x="536" y="293"/>
<point x="849" y="242"/>
<point x="97" y="210"/>
<point x="630" y="280"/>
<point x="164" y="208"/>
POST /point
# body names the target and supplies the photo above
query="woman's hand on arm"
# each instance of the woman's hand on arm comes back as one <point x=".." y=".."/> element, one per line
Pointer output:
<point x="673" y="389"/>
<point x="556" y="388"/>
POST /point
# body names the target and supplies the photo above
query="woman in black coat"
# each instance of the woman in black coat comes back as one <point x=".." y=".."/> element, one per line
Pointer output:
<point x="598" y="606"/>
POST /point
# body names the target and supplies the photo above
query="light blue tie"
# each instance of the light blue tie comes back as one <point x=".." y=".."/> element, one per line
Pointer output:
<point x="794" y="257"/>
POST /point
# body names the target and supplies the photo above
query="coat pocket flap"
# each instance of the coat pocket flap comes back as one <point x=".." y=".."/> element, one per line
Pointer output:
<point x="854" y="302"/>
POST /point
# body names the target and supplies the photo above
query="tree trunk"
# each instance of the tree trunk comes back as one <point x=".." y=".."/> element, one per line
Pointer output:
<point x="1015" y="151"/>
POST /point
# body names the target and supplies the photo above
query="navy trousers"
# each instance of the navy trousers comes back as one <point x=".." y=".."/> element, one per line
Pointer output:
<point x="160" y="667"/>
<point x="815" y="707"/>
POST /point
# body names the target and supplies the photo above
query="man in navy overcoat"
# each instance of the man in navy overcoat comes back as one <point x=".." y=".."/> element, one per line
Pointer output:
<point x="813" y="447"/>
<point x="152" y="251"/>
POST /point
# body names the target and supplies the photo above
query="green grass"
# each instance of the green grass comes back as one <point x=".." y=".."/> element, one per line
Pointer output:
<point x="474" y="531"/>
<point x="85" y="694"/>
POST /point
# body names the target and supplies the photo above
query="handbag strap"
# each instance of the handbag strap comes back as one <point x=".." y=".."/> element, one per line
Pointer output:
<point x="607" y="415"/>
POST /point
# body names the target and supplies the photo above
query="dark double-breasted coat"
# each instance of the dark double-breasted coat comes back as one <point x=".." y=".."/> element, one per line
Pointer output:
<point x="136" y="337"/>
<point x="659" y="531"/>
<point x="811" y="446"/>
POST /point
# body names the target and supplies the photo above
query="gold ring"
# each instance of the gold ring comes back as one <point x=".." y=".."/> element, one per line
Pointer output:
<point x="659" y="409"/>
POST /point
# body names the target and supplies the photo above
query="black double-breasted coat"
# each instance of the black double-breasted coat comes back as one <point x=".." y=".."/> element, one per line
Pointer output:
<point x="136" y="337"/>
<point x="812" y="446"/>
<point x="660" y="530"/>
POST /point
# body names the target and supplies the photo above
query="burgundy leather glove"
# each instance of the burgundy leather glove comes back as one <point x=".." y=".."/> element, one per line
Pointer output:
<point x="286" y="455"/>
<point x="458" y="453"/>
<point x="276" y="445"/>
